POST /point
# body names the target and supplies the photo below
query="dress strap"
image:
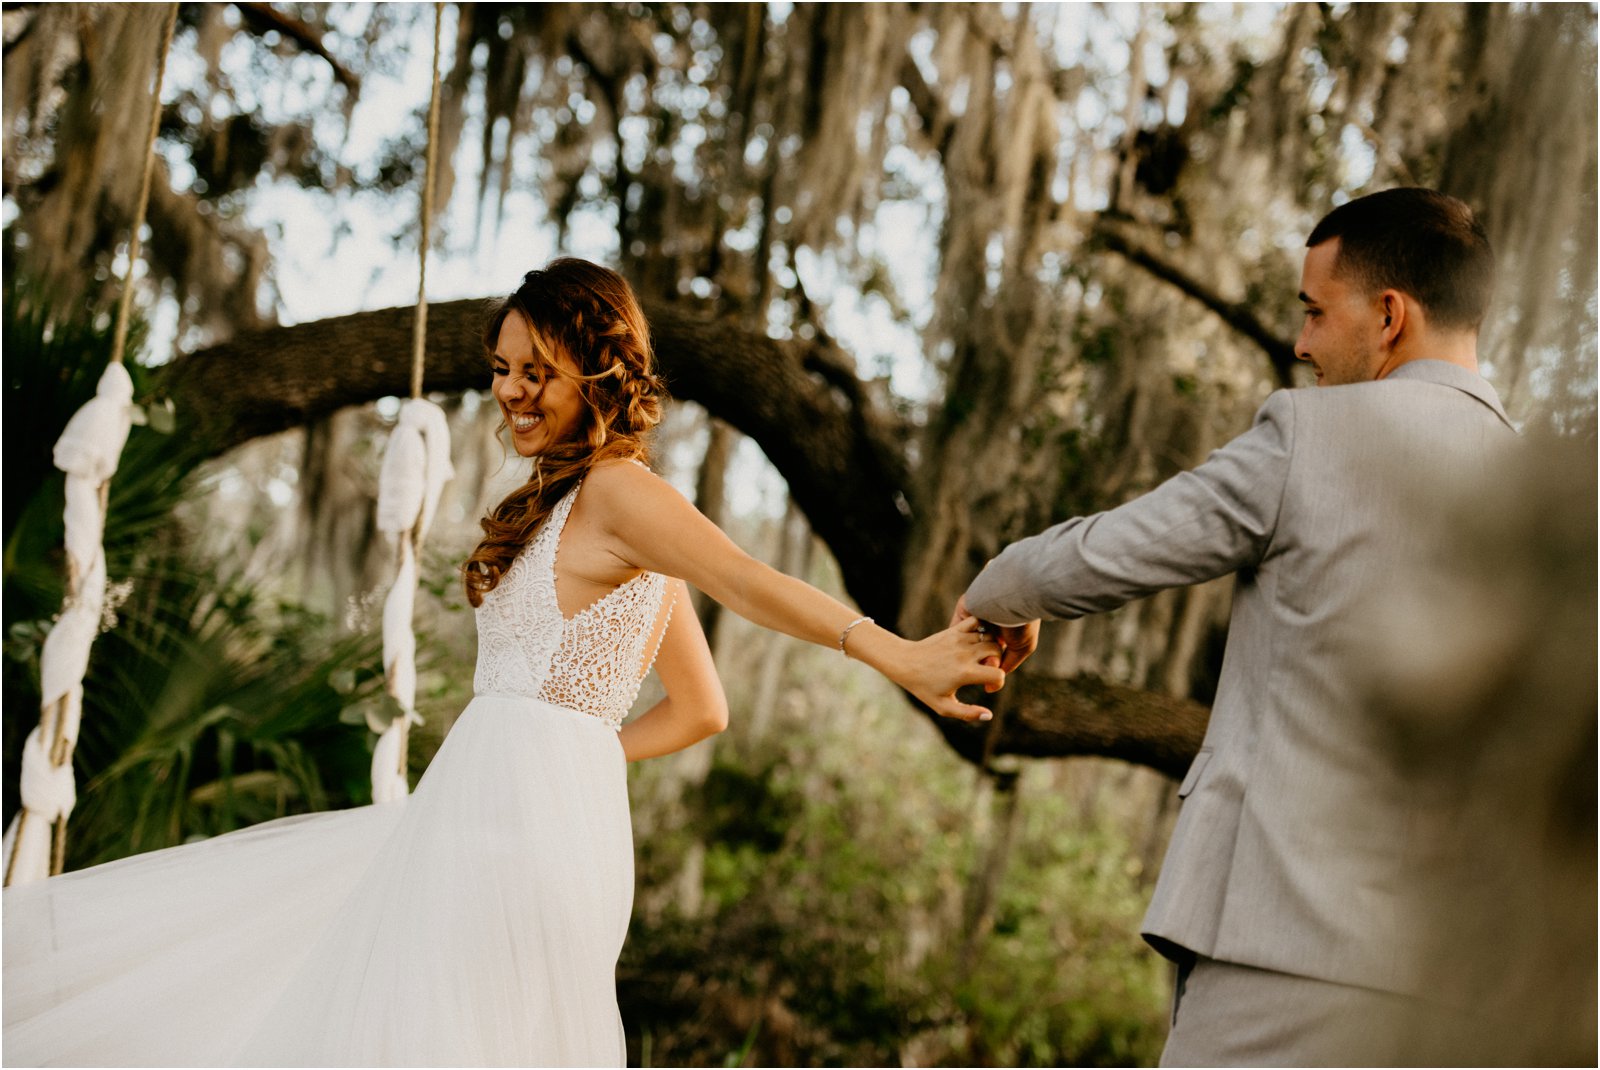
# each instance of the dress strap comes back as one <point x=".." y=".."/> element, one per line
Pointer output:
<point x="563" y="509"/>
<point x="663" y="620"/>
<point x="550" y="533"/>
<point x="548" y="537"/>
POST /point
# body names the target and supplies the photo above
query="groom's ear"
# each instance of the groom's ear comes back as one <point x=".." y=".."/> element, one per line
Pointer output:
<point x="1392" y="306"/>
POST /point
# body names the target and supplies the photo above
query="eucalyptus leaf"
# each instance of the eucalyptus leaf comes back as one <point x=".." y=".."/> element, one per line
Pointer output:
<point x="163" y="418"/>
<point x="357" y="713"/>
<point x="381" y="712"/>
<point x="378" y="719"/>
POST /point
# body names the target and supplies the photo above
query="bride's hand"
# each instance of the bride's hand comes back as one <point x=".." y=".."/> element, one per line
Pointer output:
<point x="1019" y="641"/>
<point x="933" y="668"/>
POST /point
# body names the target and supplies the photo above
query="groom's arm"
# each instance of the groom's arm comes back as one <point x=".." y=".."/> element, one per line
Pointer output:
<point x="1197" y="526"/>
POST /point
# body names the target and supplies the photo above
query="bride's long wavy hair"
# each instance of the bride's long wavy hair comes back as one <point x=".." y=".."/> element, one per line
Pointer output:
<point x="589" y="313"/>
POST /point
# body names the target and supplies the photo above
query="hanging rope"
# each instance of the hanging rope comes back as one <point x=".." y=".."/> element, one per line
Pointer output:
<point x="419" y="332"/>
<point x="87" y="451"/>
<point x="416" y="466"/>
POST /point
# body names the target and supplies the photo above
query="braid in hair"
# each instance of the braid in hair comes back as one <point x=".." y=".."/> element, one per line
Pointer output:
<point x="591" y="314"/>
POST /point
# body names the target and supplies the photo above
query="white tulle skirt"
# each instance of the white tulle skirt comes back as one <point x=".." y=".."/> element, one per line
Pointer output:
<point x="477" y="923"/>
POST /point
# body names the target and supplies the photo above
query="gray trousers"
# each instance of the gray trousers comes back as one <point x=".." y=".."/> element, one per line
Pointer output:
<point x="1224" y="1014"/>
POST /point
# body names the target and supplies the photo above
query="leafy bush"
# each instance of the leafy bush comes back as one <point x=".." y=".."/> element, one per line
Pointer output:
<point x="838" y="854"/>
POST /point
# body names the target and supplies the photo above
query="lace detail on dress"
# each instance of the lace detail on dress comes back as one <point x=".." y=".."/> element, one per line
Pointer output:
<point x="594" y="662"/>
<point x="519" y="622"/>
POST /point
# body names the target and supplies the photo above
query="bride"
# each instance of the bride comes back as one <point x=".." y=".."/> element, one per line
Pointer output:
<point x="479" y="922"/>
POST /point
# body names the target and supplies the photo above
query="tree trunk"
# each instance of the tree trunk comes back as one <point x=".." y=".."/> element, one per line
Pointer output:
<point x="710" y="497"/>
<point x="794" y="559"/>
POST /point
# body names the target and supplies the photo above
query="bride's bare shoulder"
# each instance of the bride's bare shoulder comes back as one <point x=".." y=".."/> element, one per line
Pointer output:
<point x="634" y="503"/>
<point x="616" y="471"/>
<point x="626" y="485"/>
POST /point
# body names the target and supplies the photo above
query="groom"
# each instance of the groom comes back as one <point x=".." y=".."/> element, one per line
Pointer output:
<point x="1300" y="842"/>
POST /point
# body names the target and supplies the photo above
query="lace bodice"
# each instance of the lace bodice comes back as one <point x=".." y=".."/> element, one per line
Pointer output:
<point x="593" y="662"/>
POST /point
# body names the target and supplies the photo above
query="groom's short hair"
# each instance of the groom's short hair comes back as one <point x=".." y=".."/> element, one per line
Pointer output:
<point x="1420" y="242"/>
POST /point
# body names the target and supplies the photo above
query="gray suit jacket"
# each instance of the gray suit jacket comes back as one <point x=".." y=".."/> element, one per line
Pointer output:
<point x="1298" y="839"/>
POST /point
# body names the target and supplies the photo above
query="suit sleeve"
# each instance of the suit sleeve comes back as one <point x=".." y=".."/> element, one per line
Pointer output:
<point x="1196" y="526"/>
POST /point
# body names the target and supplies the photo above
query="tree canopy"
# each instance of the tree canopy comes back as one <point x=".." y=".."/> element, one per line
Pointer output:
<point x="1082" y="223"/>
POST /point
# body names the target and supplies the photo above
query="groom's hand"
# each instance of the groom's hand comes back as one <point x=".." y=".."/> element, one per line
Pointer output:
<point x="1017" y="641"/>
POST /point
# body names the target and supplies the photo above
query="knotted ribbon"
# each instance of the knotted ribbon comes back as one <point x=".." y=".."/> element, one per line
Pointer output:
<point x="416" y="466"/>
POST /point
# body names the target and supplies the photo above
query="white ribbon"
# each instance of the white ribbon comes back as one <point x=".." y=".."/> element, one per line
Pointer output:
<point x="388" y="773"/>
<point x="50" y="785"/>
<point x="52" y="794"/>
<point x="85" y="524"/>
<point x="93" y="439"/>
<point x="436" y="436"/>
<point x="399" y="641"/>
<point x="65" y="657"/>
<point x="87" y="451"/>
<point x="402" y="482"/>
<point x="416" y="466"/>
<point x="30" y="858"/>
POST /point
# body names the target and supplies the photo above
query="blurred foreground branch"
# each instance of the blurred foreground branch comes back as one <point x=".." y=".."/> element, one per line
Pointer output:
<point x="1489" y="710"/>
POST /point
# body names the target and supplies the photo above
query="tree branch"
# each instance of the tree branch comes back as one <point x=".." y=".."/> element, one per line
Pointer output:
<point x="1052" y="717"/>
<point x="839" y="455"/>
<point x="265" y="17"/>
<point x="936" y="125"/>
<point x="840" y="458"/>
<point x="1055" y="717"/>
<point x="1236" y="314"/>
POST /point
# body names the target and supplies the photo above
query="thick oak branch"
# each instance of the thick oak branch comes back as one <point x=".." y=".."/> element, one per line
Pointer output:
<point x="838" y="455"/>
<point x="1052" y="717"/>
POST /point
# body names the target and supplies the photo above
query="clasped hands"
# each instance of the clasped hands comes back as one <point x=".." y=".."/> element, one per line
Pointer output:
<point x="969" y="651"/>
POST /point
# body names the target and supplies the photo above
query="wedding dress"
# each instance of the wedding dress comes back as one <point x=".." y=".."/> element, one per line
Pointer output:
<point x="476" y="923"/>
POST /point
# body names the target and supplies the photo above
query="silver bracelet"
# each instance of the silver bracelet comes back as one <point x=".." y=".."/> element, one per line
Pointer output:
<point x="847" y="627"/>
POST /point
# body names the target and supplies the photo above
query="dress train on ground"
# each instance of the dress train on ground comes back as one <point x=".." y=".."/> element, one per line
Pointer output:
<point x="432" y="931"/>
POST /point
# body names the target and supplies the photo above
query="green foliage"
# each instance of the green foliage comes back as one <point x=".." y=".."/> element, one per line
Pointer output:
<point x="210" y="713"/>
<point x="1100" y="345"/>
<point x="1064" y="977"/>
<point x="838" y="855"/>
<point x="747" y="809"/>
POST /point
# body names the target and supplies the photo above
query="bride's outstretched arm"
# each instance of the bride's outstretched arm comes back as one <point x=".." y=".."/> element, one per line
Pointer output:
<point x="695" y="706"/>
<point x="652" y="526"/>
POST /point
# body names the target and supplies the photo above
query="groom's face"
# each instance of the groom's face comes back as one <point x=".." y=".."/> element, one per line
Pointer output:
<point x="1343" y="327"/>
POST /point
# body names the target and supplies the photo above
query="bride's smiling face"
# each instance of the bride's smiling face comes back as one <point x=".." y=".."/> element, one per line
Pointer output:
<point x="538" y="397"/>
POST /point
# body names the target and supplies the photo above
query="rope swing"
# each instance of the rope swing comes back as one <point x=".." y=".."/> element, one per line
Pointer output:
<point x="87" y="451"/>
<point x="416" y="466"/>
